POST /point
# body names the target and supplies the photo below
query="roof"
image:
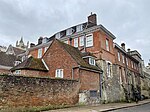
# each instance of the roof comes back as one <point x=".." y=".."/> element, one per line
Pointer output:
<point x="77" y="56"/>
<point x="18" y="51"/>
<point x="7" y="59"/>
<point x="31" y="64"/>
<point x="126" y="53"/>
<point x="84" y="54"/>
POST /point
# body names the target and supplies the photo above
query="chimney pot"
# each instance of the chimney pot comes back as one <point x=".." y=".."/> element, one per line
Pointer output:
<point x="128" y="49"/>
<point x="123" y="45"/>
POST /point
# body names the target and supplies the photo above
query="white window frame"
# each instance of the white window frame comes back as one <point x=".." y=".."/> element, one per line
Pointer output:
<point x="81" y="41"/>
<point x="79" y="28"/>
<point x="39" y="53"/>
<point x="17" y="63"/>
<point x="131" y="64"/>
<point x="89" y="40"/>
<point x="17" y="72"/>
<point x="69" y="31"/>
<point x="57" y="36"/>
<point x="107" y="45"/>
<point x="119" y="56"/>
<point x="108" y="63"/>
<point x="59" y="73"/>
<point x="75" y="42"/>
<point x="127" y="61"/>
<point x="91" y="61"/>
<point x="123" y="58"/>
<point x="45" y="49"/>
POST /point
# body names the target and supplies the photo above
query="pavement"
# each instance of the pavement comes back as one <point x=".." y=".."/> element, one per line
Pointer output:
<point x="101" y="107"/>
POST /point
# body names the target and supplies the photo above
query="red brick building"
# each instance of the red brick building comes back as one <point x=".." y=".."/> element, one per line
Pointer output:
<point x="93" y="38"/>
<point x="127" y="70"/>
<point x="64" y="61"/>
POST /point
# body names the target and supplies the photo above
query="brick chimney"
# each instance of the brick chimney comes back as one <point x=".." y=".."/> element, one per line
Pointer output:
<point x="123" y="46"/>
<point x="92" y="19"/>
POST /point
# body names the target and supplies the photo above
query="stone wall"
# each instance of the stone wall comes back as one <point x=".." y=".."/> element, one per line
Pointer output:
<point x="27" y="91"/>
<point x="112" y="90"/>
<point x="3" y="71"/>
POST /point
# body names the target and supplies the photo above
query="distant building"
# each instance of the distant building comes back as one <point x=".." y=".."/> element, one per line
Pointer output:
<point x="7" y="61"/>
<point x="98" y="41"/>
<point x="21" y="44"/>
<point x="64" y="61"/>
<point x="3" y="48"/>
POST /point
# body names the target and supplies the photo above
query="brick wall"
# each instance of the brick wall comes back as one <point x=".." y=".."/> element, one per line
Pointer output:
<point x="27" y="91"/>
<point x="57" y="58"/>
<point x="89" y="80"/>
<point x="2" y="71"/>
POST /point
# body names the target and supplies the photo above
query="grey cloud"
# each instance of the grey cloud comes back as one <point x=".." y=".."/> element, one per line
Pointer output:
<point x="127" y="19"/>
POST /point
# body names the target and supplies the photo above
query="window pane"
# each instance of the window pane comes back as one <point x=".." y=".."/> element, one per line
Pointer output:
<point x="82" y="41"/>
<point x="76" y="42"/>
<point x="89" y="40"/>
<point x="40" y="53"/>
<point x="118" y="56"/>
<point x="107" y="45"/>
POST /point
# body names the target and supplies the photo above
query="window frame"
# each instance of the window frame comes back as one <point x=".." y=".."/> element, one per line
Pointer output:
<point x="75" y="42"/>
<point x="59" y="73"/>
<point x="79" y="28"/>
<point x="119" y="59"/>
<point x="107" y="44"/>
<point x="91" y="61"/>
<point x="108" y="71"/>
<point x="123" y="58"/>
<point x="40" y="51"/>
<point x="88" y="36"/>
<point x="81" y="41"/>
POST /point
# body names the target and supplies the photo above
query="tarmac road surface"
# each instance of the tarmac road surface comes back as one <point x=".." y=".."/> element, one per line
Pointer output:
<point x="140" y="108"/>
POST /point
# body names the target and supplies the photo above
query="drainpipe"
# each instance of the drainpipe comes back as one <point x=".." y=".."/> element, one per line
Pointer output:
<point x="84" y="43"/>
<point x="100" y="76"/>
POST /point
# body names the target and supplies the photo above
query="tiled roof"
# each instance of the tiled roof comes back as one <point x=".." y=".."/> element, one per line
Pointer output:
<point x="18" y="51"/>
<point x="7" y="59"/>
<point x="77" y="56"/>
<point x="84" y="54"/>
<point x="31" y="64"/>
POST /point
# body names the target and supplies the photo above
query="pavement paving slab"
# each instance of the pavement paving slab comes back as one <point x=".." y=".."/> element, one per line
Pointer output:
<point x="101" y="107"/>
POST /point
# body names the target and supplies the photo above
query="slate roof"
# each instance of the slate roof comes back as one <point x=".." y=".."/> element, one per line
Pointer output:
<point x="31" y="64"/>
<point x="7" y="59"/>
<point x="77" y="56"/>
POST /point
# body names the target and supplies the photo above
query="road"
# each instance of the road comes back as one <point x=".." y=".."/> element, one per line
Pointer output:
<point x="142" y="108"/>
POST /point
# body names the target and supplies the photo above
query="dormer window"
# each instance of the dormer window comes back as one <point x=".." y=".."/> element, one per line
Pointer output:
<point x="17" y="63"/>
<point x="57" y="36"/>
<point x="91" y="61"/>
<point x="69" y="31"/>
<point x="79" y="28"/>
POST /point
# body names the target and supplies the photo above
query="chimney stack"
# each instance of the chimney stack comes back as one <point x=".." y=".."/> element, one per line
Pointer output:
<point x="128" y="49"/>
<point x="123" y="46"/>
<point x="92" y="19"/>
<point x="32" y="45"/>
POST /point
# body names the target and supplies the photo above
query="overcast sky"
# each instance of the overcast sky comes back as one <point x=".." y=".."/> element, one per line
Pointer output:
<point x="128" y="20"/>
